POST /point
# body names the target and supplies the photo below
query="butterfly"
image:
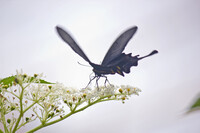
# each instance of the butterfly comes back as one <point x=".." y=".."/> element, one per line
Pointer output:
<point x="114" y="61"/>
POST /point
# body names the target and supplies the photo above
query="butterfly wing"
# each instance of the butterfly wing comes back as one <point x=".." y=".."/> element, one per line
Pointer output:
<point x="118" y="46"/>
<point x="70" y="41"/>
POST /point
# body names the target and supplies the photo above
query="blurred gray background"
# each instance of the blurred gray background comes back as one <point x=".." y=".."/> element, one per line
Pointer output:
<point x="169" y="80"/>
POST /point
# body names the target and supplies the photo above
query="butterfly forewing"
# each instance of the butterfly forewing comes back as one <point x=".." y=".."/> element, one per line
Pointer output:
<point x="118" y="46"/>
<point x="70" y="41"/>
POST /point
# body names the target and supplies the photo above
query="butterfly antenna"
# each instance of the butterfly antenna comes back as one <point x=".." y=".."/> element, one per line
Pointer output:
<point x="83" y="64"/>
<point x="91" y="75"/>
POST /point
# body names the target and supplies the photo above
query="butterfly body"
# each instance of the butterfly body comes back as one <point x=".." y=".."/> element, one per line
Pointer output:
<point x="114" y="61"/>
<point x="119" y="65"/>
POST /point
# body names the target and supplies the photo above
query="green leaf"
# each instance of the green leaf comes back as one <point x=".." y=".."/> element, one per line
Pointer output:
<point x="42" y="81"/>
<point x="196" y="104"/>
<point x="9" y="81"/>
<point x="45" y="82"/>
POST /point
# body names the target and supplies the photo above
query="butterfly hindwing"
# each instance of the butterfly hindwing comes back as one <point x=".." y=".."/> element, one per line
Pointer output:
<point x="124" y="62"/>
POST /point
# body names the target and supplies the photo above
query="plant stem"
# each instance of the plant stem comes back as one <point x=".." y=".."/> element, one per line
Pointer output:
<point x="4" y="122"/>
<point x="21" y="109"/>
<point x="66" y="116"/>
<point x="1" y="131"/>
<point x="3" y="116"/>
<point x="50" y="123"/>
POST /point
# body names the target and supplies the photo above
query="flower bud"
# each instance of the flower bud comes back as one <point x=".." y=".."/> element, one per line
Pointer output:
<point x="123" y="98"/>
<point x="50" y="87"/>
<point x="79" y="99"/>
<point x="5" y="86"/>
<point x="35" y="75"/>
<point x="8" y="121"/>
<point x="16" y="80"/>
<point x="70" y="104"/>
<point x="74" y="98"/>
<point x="27" y="119"/>
<point x="52" y="106"/>
<point x="25" y="75"/>
<point x="120" y="90"/>
<point x="65" y="101"/>
<point x="52" y="114"/>
<point x="84" y="95"/>
<point x="12" y="108"/>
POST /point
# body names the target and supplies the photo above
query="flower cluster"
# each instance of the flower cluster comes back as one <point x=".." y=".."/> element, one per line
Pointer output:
<point x="73" y="97"/>
<point x="21" y="93"/>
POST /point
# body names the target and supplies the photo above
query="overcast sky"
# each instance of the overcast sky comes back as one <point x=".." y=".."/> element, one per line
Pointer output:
<point x="169" y="80"/>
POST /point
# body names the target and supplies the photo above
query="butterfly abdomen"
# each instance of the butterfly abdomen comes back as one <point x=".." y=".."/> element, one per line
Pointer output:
<point x="101" y="70"/>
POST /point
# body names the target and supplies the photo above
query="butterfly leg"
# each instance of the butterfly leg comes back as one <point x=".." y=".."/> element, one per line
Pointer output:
<point x="90" y="81"/>
<point x="97" y="83"/>
<point x="106" y="81"/>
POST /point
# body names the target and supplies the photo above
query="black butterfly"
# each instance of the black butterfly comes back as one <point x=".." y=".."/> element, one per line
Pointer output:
<point x="115" y="61"/>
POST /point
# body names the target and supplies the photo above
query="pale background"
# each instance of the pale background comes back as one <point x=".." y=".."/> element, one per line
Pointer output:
<point x="169" y="80"/>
